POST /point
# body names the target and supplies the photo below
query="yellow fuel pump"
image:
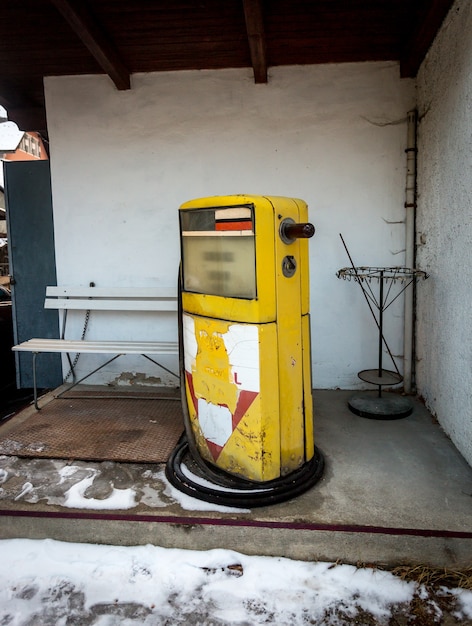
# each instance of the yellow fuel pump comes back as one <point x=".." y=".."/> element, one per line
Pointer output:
<point x="245" y="350"/>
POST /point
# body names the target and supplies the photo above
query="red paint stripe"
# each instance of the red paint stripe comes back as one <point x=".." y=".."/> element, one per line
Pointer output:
<point x="245" y="399"/>
<point x="189" y="378"/>
<point x="249" y="523"/>
<point x="214" y="448"/>
<point x="241" y="225"/>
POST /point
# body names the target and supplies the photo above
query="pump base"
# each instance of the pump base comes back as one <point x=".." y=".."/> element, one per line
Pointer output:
<point x="387" y="407"/>
<point x="218" y="487"/>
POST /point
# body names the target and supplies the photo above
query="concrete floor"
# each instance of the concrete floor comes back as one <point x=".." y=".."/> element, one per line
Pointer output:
<point x="392" y="492"/>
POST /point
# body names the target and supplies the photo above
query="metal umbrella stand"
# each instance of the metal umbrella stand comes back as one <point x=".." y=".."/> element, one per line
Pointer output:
<point x="391" y="283"/>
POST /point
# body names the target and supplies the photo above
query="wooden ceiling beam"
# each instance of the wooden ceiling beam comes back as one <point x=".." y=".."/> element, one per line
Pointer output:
<point x="423" y="36"/>
<point x="256" y="37"/>
<point x="95" y="40"/>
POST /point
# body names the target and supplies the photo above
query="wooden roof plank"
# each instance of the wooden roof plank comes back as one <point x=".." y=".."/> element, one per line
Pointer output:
<point x="119" y="38"/>
<point x="423" y="36"/>
<point x="27" y="114"/>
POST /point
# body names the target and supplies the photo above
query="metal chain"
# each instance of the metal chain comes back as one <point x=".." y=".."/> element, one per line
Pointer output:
<point x="76" y="359"/>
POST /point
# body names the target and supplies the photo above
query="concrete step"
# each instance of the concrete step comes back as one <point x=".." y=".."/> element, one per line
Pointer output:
<point x="393" y="491"/>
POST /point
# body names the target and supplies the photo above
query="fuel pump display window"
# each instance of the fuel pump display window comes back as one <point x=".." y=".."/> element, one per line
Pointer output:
<point x="218" y="250"/>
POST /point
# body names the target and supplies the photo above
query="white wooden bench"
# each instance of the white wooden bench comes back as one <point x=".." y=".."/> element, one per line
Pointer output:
<point x="89" y="299"/>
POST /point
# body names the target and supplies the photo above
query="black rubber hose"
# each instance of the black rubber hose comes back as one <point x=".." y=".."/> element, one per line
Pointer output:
<point x="255" y="494"/>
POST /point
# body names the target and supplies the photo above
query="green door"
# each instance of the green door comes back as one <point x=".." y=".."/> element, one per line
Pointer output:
<point x="32" y="261"/>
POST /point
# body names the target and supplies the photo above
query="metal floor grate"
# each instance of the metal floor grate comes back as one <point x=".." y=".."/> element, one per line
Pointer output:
<point x="98" y="429"/>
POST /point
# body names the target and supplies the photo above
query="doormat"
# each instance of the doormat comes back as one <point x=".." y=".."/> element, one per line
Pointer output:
<point x="97" y="429"/>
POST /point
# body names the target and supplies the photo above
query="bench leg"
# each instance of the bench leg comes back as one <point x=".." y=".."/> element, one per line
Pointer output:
<point x="77" y="382"/>
<point x="161" y="366"/>
<point x="35" y="388"/>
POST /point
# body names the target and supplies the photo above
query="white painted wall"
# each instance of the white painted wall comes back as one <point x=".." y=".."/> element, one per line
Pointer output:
<point x="334" y="135"/>
<point x="444" y="225"/>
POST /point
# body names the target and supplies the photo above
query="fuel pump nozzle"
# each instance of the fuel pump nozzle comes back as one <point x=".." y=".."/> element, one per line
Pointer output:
<point x="290" y="230"/>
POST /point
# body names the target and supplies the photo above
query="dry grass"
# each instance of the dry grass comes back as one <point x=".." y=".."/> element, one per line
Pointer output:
<point x="432" y="577"/>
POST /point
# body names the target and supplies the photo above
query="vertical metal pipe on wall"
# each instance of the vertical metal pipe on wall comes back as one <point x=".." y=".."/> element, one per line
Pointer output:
<point x="410" y="212"/>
